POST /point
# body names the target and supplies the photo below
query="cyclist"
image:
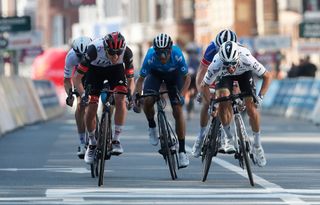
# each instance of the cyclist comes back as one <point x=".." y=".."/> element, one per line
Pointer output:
<point x="107" y="58"/>
<point x="193" y="61"/>
<point x="235" y="63"/>
<point x="165" y="63"/>
<point x="73" y="58"/>
<point x="223" y="36"/>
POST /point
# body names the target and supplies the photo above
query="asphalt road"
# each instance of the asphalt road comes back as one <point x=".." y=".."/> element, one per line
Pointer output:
<point x="39" y="166"/>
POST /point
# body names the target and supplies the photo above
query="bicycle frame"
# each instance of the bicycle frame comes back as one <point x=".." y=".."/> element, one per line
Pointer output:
<point x="166" y="134"/>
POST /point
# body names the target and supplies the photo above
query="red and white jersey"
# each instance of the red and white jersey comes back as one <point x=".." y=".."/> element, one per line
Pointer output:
<point x="245" y="63"/>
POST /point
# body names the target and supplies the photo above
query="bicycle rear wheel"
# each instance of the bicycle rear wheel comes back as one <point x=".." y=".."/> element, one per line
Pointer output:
<point x="210" y="146"/>
<point x="244" y="149"/>
<point x="164" y="139"/>
<point x="105" y="134"/>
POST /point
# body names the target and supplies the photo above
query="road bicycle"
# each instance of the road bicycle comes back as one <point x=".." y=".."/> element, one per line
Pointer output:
<point x="104" y="142"/>
<point x="167" y="137"/>
<point x="213" y="136"/>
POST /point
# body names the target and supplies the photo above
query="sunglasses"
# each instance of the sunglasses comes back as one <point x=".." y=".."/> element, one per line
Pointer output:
<point x="229" y="64"/>
<point x="113" y="52"/>
<point x="161" y="52"/>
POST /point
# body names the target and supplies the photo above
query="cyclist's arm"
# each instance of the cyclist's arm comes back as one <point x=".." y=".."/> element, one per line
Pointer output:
<point x="266" y="81"/>
<point x="204" y="89"/>
<point x="139" y="83"/>
<point x="67" y="84"/>
<point x="187" y="81"/>
<point x="200" y="75"/>
<point x="77" y="81"/>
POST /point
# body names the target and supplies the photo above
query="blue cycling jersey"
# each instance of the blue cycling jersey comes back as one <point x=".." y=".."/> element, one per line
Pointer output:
<point x="208" y="55"/>
<point x="152" y="62"/>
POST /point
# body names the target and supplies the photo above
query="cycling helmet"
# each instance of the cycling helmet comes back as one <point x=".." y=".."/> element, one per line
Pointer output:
<point x="162" y="41"/>
<point x="80" y="44"/>
<point x="114" y="43"/>
<point x="229" y="53"/>
<point x="224" y="36"/>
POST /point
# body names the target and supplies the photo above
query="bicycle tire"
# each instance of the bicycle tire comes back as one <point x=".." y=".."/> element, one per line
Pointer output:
<point x="211" y="146"/>
<point x="244" y="150"/>
<point x="102" y="148"/>
<point x="164" y="135"/>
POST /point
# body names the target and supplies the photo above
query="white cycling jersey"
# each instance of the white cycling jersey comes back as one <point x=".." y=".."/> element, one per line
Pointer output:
<point x="246" y="63"/>
<point x="70" y="62"/>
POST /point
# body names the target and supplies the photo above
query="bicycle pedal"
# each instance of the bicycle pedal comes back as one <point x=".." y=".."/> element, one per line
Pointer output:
<point x="115" y="153"/>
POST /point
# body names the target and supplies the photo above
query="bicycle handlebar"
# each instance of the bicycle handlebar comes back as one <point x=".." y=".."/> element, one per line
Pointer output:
<point x="233" y="97"/>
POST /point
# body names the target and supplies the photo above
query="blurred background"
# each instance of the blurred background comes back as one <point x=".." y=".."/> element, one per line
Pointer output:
<point x="280" y="33"/>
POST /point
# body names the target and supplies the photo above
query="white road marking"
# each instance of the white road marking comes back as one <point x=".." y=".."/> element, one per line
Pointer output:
<point x="77" y="170"/>
<point x="270" y="187"/>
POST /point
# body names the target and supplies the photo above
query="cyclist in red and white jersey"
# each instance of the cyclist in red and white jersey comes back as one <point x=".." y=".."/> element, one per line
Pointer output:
<point x="235" y="63"/>
<point x="107" y="58"/>
<point x="73" y="58"/>
<point x="213" y="48"/>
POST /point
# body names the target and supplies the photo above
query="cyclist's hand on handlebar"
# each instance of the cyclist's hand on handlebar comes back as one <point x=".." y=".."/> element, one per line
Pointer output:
<point x="136" y="103"/>
<point x="259" y="101"/>
<point x="70" y="98"/>
<point x="129" y="101"/>
<point x="181" y="100"/>
<point x="199" y="97"/>
<point x="84" y="100"/>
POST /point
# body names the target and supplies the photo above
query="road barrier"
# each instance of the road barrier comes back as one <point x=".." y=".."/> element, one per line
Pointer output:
<point x="294" y="97"/>
<point x="24" y="102"/>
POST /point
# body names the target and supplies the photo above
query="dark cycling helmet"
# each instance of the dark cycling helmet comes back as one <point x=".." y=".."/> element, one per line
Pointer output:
<point x="229" y="53"/>
<point x="224" y="36"/>
<point x="114" y="43"/>
<point x="80" y="44"/>
<point x="162" y="41"/>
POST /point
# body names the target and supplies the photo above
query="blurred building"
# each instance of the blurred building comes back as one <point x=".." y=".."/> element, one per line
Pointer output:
<point x="139" y="20"/>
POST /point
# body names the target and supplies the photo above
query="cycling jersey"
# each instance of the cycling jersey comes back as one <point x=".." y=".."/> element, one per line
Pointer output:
<point x="71" y="62"/>
<point x="245" y="63"/>
<point x="152" y="62"/>
<point x="208" y="55"/>
<point x="96" y="58"/>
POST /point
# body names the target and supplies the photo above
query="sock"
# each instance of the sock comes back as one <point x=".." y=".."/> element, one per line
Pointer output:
<point x="227" y="130"/>
<point x="82" y="137"/>
<point x="201" y="134"/>
<point x="257" y="140"/>
<point x="181" y="146"/>
<point x="152" y="123"/>
<point x="92" y="139"/>
<point x="117" y="131"/>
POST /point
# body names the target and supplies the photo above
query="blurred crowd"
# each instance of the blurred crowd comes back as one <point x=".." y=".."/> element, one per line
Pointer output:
<point x="304" y="69"/>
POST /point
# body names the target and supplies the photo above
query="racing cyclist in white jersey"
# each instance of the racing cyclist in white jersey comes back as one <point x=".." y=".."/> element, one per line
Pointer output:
<point x="73" y="58"/>
<point x="235" y="63"/>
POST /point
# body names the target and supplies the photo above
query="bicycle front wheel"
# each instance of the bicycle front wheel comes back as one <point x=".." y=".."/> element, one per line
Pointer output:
<point x="210" y="146"/>
<point x="244" y="149"/>
<point x="105" y="134"/>
<point x="164" y="139"/>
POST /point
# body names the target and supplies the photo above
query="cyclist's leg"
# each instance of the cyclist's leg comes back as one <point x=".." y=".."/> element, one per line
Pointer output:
<point x="174" y="83"/>
<point x="225" y="112"/>
<point x="152" y="83"/>
<point x="95" y="79"/>
<point x="247" y="84"/>
<point x="118" y="82"/>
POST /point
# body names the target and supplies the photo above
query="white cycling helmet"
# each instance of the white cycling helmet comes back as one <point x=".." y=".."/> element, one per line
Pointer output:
<point x="229" y="53"/>
<point x="162" y="41"/>
<point x="80" y="44"/>
<point x="224" y="36"/>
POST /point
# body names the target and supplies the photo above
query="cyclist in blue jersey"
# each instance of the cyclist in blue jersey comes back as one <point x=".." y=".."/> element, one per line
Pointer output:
<point x="165" y="63"/>
<point x="212" y="49"/>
